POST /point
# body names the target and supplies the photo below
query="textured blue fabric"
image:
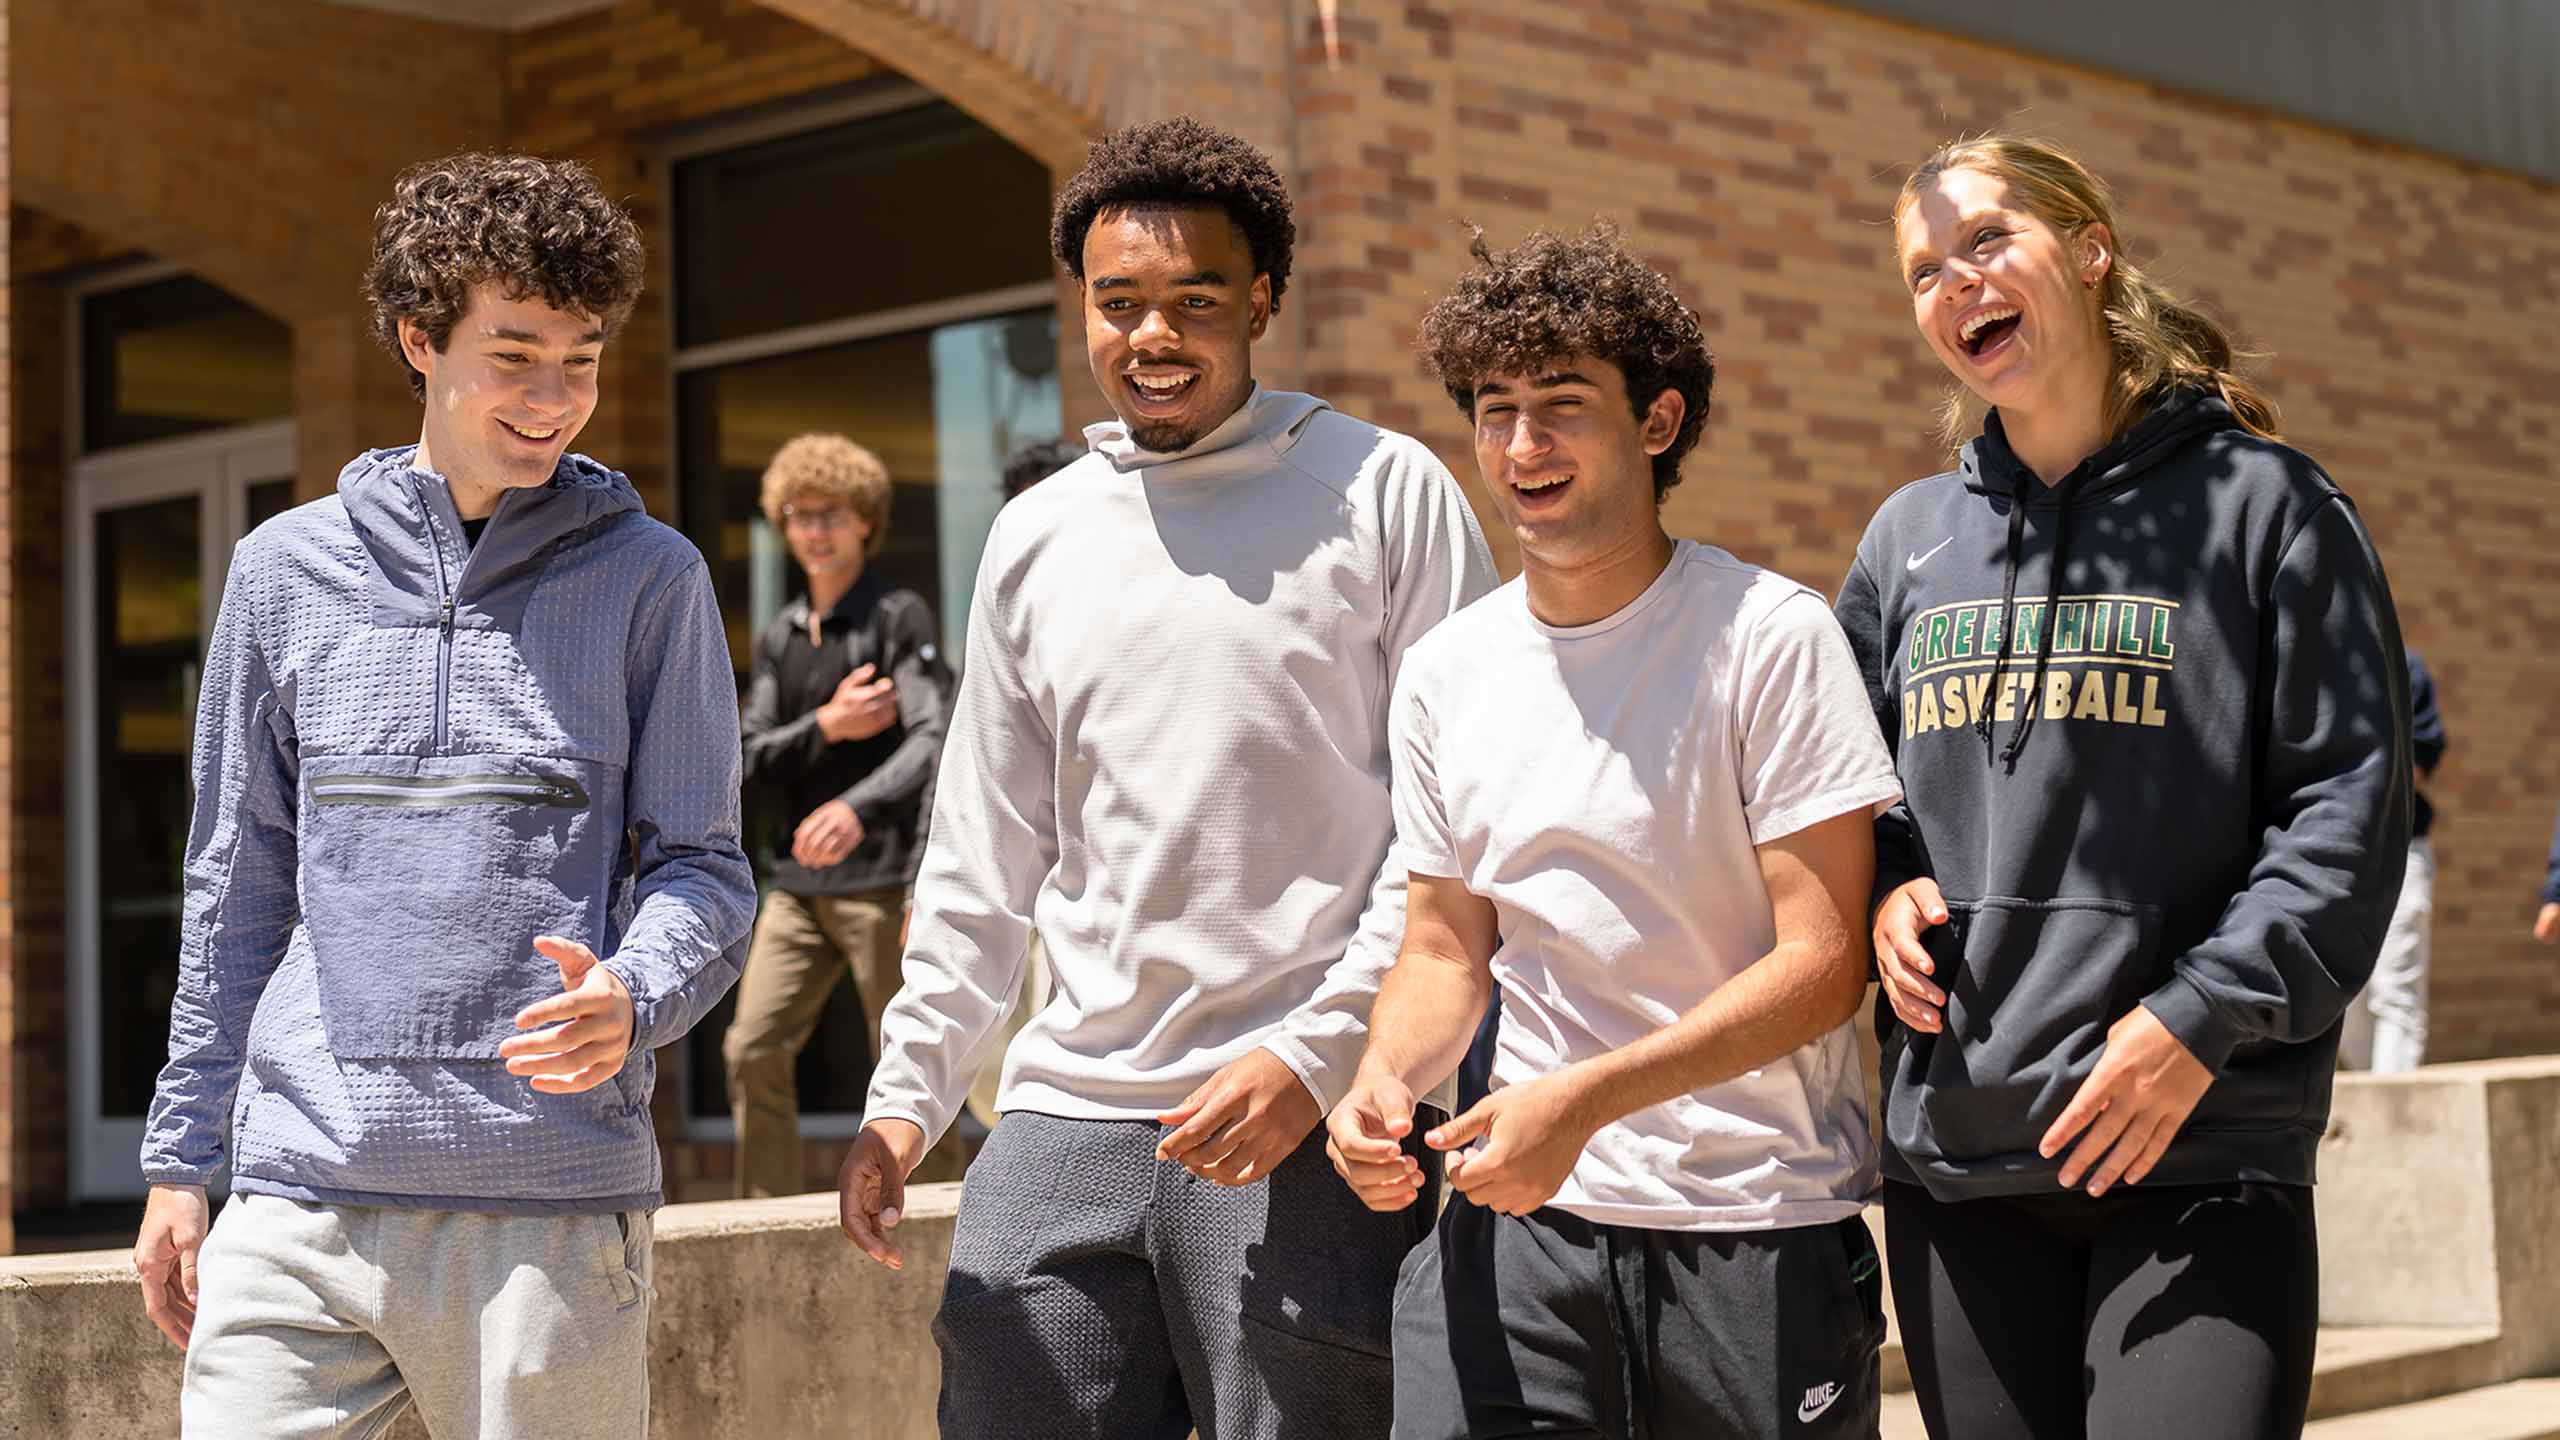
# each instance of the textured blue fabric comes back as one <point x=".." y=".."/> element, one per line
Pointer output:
<point x="412" y="755"/>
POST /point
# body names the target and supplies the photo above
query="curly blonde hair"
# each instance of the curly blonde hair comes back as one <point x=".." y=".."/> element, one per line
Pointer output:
<point x="830" y="467"/>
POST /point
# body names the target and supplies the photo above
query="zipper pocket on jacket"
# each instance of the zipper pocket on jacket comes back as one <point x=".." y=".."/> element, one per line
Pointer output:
<point x="448" y="790"/>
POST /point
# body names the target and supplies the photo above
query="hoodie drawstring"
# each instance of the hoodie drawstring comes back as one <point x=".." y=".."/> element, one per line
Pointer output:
<point x="2044" y="630"/>
<point x="2008" y="617"/>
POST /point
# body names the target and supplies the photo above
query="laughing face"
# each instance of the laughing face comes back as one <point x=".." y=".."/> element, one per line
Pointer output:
<point x="1172" y="307"/>
<point x="1568" y="461"/>
<point x="513" y="385"/>
<point x="2009" y="304"/>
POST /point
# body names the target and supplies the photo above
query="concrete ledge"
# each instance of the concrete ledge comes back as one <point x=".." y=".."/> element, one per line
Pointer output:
<point x="768" y="1325"/>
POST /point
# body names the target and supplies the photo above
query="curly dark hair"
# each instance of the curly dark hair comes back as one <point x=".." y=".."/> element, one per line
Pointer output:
<point x="1519" y="310"/>
<point x="1179" y="164"/>
<point x="541" y="229"/>
<point x="1038" y="461"/>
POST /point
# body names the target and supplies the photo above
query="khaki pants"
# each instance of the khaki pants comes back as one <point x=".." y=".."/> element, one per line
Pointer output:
<point x="802" y="945"/>
<point x="324" y="1322"/>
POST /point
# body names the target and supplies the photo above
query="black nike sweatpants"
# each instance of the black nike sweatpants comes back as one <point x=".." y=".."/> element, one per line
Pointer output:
<point x="1546" y="1324"/>
<point x="2187" y="1310"/>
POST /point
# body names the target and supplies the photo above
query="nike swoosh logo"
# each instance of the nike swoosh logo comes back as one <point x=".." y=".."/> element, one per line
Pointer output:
<point x="1808" y="1412"/>
<point x="1922" y="557"/>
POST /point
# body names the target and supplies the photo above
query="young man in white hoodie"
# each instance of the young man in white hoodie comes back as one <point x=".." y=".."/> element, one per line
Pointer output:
<point x="1169" y="753"/>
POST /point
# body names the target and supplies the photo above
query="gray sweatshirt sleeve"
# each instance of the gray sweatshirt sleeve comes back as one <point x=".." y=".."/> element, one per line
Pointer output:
<point x="2300" y="939"/>
<point x="693" y="892"/>
<point x="239" y="909"/>
<point x="993" y="841"/>
<point x="1436" y="564"/>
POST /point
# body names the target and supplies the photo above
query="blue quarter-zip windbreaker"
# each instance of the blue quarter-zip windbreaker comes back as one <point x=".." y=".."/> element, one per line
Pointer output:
<point x="413" y="756"/>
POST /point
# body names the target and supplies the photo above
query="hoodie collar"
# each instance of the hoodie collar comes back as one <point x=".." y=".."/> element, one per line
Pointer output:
<point x="1266" y="424"/>
<point x="1991" y="467"/>
<point x="407" y="521"/>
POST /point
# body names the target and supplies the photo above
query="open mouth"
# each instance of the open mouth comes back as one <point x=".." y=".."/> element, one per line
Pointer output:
<point x="1542" y="490"/>
<point x="1158" y="391"/>
<point x="1987" y="330"/>
<point x="532" y="434"/>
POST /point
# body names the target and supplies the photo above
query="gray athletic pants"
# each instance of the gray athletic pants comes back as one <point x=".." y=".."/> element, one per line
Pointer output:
<point x="1098" y="1291"/>
<point x="1547" y="1324"/>
<point x="324" y="1322"/>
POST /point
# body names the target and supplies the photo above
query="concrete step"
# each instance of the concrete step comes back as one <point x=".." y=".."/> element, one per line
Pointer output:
<point x="2517" y="1410"/>
<point x="2356" y="1372"/>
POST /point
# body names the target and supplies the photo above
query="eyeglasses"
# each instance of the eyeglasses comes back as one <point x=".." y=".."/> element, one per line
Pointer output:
<point x="829" y="517"/>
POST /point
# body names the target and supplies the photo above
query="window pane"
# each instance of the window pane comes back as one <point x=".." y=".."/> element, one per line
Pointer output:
<point x="942" y="408"/>
<point x="176" y="356"/>
<point x="146" y="603"/>
<point x="821" y="226"/>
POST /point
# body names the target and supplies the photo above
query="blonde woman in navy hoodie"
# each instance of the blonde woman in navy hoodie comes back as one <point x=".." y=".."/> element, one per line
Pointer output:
<point x="2139" y="666"/>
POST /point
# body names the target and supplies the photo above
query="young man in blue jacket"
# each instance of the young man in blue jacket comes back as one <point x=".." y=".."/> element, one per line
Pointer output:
<point x="465" y="850"/>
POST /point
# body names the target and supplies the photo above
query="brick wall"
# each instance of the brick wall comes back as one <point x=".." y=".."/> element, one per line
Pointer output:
<point x="9" y="926"/>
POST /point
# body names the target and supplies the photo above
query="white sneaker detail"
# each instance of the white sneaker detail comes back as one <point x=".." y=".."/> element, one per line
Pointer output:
<point x="1818" y="1399"/>
<point x="1920" y="558"/>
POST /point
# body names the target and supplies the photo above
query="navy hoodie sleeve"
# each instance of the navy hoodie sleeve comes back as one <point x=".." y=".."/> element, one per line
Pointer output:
<point x="2551" y="871"/>
<point x="1860" y="610"/>
<point x="2333" y="806"/>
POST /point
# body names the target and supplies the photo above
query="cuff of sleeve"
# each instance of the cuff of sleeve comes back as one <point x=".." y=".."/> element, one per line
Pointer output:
<point x="178" y="1175"/>
<point x="875" y="1111"/>
<point x="1311" y="1070"/>
<point x="645" y="1009"/>
<point x="2184" y="1011"/>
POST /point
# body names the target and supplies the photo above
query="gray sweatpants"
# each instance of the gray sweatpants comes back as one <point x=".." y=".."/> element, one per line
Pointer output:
<point x="328" y="1320"/>
<point x="1098" y="1291"/>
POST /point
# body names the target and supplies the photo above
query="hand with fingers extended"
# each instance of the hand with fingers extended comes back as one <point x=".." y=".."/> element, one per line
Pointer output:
<point x="589" y="1024"/>
<point x="1903" y="965"/>
<point x="1364" y="1137"/>
<point x="1533" y="1133"/>
<point x="174" y="1222"/>
<point x="1242" y="1122"/>
<point x="871" y="1186"/>
<point x="2125" y="1114"/>
<point x="864" y="704"/>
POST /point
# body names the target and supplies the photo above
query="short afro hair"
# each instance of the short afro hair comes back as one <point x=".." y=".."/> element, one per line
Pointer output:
<point x="1038" y="461"/>
<point x="1517" y="311"/>
<point x="539" y="229"/>
<point x="1179" y="164"/>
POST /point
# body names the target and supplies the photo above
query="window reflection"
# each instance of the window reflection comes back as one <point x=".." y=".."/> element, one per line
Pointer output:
<point x="177" y="356"/>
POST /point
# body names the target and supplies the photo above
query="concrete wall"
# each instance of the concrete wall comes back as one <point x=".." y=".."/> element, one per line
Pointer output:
<point x="2440" y="1204"/>
<point x="768" y="1326"/>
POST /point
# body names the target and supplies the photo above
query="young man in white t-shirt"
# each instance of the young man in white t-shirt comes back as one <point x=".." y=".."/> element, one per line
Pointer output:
<point x="1633" y="789"/>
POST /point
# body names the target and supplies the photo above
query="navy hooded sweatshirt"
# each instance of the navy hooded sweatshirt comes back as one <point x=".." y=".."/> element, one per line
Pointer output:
<point x="2153" y="727"/>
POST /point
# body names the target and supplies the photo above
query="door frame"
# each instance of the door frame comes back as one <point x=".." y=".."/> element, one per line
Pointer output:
<point x="216" y="469"/>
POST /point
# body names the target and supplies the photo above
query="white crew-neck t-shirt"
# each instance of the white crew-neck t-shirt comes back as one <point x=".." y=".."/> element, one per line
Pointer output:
<point x="1605" y="786"/>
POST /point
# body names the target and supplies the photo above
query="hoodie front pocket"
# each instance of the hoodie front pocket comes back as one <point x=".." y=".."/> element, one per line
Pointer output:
<point x="425" y="882"/>
<point x="2032" y="986"/>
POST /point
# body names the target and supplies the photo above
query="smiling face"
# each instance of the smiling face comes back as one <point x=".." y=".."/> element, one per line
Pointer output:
<point x="1568" y="462"/>
<point x="2008" y="303"/>
<point x="1172" y="307"/>
<point x="512" y="387"/>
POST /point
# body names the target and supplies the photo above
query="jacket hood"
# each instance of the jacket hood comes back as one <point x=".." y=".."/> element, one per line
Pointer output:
<point x="1990" y="467"/>
<point x="407" y="521"/>
<point x="1271" y="417"/>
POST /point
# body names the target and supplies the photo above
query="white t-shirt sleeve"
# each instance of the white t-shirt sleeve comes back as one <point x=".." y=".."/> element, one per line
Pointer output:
<point x="1810" y="749"/>
<point x="1423" y="844"/>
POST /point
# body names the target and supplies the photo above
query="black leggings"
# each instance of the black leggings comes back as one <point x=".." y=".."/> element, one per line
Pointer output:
<point x="2188" y="1311"/>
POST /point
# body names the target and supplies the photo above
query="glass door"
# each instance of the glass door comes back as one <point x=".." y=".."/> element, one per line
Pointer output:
<point x="152" y="533"/>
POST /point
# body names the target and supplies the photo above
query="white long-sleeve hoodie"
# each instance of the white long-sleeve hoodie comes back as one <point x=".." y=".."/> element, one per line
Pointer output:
<point x="1169" y="756"/>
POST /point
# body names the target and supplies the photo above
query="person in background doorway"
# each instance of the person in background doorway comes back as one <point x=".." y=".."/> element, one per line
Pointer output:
<point x="2386" y="1027"/>
<point x="844" y="720"/>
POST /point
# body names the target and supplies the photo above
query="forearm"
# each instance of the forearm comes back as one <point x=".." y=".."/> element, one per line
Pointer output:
<point x="1426" y="1014"/>
<point x="897" y="780"/>
<point x="1795" y="994"/>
